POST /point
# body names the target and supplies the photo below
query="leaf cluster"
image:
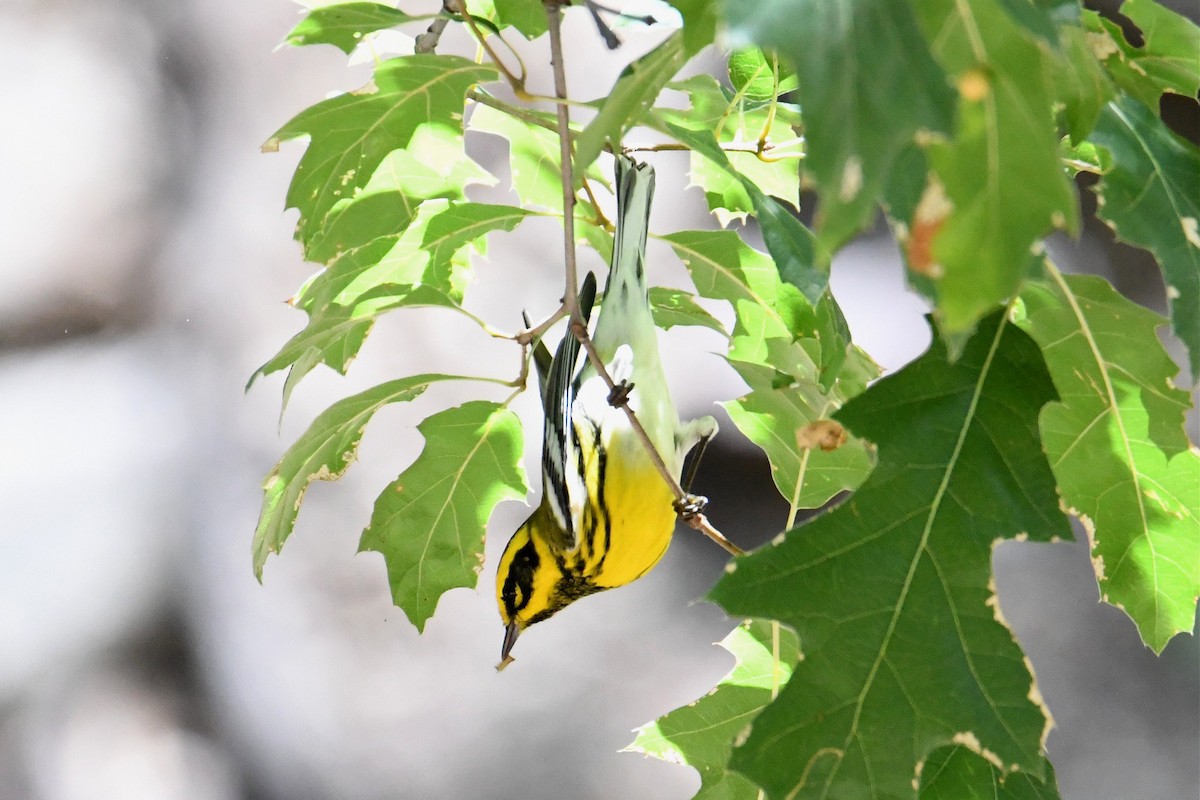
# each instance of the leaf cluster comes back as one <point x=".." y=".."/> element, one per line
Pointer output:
<point x="876" y="662"/>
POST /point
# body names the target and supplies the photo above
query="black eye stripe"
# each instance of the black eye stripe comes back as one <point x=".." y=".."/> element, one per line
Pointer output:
<point x="518" y="585"/>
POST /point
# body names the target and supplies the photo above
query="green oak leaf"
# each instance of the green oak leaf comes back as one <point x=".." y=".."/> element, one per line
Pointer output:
<point x="631" y="97"/>
<point x="957" y="773"/>
<point x="699" y="24"/>
<point x="1151" y="198"/>
<point x="759" y="76"/>
<point x="534" y="158"/>
<point x="1167" y="61"/>
<point x="868" y="84"/>
<point x="1117" y="444"/>
<point x="527" y="16"/>
<point x="1080" y="83"/>
<point x="998" y="187"/>
<point x="349" y="135"/>
<point x="1034" y="18"/>
<point x="733" y="123"/>
<point x="425" y="265"/>
<point x="434" y="166"/>
<point x="769" y="314"/>
<point x="323" y="452"/>
<point x="812" y="461"/>
<point x="671" y="307"/>
<point x="798" y="363"/>
<point x="801" y="260"/>
<point x="344" y="25"/>
<point x="902" y="642"/>
<point x="429" y="522"/>
<point x="701" y="734"/>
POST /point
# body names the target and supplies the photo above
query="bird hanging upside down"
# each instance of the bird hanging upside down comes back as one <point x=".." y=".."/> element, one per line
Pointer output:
<point x="606" y="515"/>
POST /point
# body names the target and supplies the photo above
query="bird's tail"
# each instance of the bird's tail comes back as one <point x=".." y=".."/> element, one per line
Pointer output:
<point x="626" y="309"/>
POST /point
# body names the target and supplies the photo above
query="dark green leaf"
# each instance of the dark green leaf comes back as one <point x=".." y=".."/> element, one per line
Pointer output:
<point x="429" y="522"/>
<point x="323" y="452"/>
<point x="1080" y="83"/>
<point x="998" y="187"/>
<point x="901" y="639"/>
<point x="1118" y="448"/>
<point x="868" y="84"/>
<point x="958" y="773"/>
<point x="344" y="25"/>
<point x="1167" y="61"/>
<point x="1033" y="18"/>
<point x="702" y="733"/>
<point x="352" y="133"/>
<point x="1151" y="198"/>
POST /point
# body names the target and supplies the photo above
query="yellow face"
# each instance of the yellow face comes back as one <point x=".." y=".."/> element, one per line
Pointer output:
<point x="526" y="578"/>
<point x="534" y="582"/>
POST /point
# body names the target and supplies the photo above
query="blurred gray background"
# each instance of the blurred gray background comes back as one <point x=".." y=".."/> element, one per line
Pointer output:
<point x="144" y="258"/>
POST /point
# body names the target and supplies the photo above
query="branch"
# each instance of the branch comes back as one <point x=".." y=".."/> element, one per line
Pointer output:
<point x="684" y="504"/>
<point x="427" y="42"/>
<point x="570" y="301"/>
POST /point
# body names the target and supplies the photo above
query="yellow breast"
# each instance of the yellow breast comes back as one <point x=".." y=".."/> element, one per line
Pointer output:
<point x="639" y="515"/>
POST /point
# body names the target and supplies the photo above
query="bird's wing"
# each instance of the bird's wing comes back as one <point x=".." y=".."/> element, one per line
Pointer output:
<point x="559" y="475"/>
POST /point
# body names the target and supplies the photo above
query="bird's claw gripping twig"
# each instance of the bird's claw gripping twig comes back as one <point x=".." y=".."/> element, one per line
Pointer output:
<point x="619" y="395"/>
<point x="690" y="505"/>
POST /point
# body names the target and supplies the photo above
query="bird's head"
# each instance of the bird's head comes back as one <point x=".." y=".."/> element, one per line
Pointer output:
<point x="534" y="582"/>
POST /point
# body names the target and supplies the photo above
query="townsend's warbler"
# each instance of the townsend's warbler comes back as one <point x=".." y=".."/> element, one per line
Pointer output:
<point x="606" y="514"/>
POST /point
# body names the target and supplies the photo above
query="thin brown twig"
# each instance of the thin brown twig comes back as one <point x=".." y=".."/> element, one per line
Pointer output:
<point x="577" y="327"/>
<point x="570" y="301"/>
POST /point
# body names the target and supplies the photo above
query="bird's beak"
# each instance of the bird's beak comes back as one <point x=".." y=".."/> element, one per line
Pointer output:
<point x="511" y="632"/>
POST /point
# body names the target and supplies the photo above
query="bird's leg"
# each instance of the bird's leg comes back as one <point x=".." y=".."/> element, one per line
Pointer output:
<point x="701" y="432"/>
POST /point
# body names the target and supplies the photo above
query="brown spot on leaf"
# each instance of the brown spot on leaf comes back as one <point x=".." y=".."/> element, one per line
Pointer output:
<point x="824" y="433"/>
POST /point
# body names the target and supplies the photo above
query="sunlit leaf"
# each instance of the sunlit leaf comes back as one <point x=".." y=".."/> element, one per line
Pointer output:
<point x="868" y="84"/>
<point x="671" y="307"/>
<point x="779" y="346"/>
<point x="429" y="522"/>
<point x="757" y="75"/>
<point x="799" y="257"/>
<point x="349" y="135"/>
<point x="1117" y="445"/>
<point x="901" y="639"/>
<point x="1151" y="198"/>
<point x="344" y="25"/>
<point x="425" y="265"/>
<point x="527" y="16"/>
<point x="701" y="734"/>
<point x="734" y="124"/>
<point x="631" y="97"/>
<point x="812" y="458"/>
<point x="323" y="452"/>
